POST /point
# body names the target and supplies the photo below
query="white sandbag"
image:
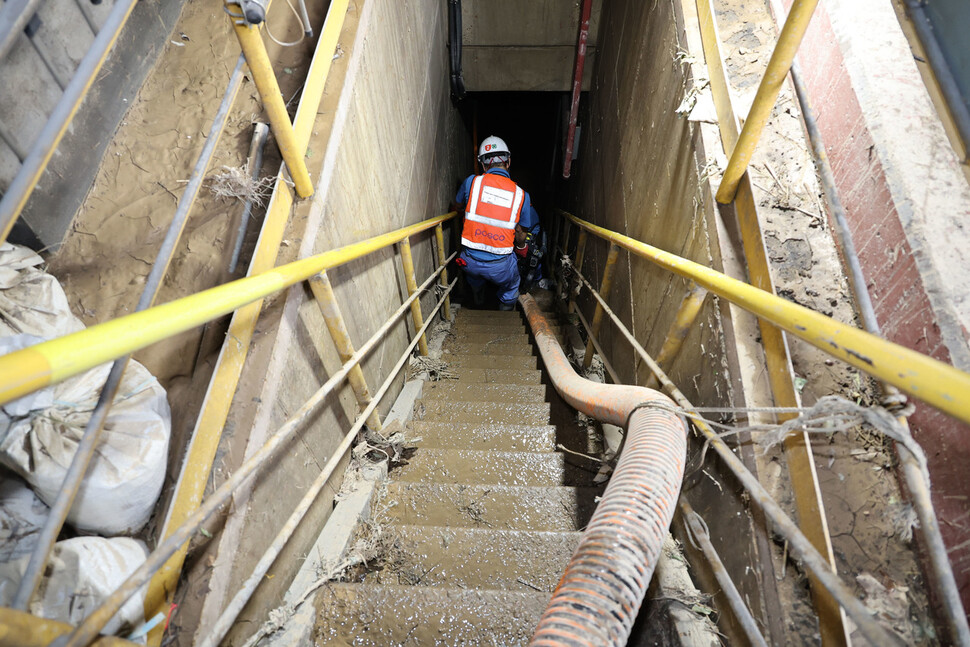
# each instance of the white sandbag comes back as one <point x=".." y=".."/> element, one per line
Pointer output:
<point x="82" y="572"/>
<point x="38" y="399"/>
<point x="126" y="473"/>
<point x="31" y="300"/>
<point x="22" y="515"/>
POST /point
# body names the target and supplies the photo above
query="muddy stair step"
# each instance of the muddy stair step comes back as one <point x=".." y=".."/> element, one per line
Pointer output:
<point x="524" y="362"/>
<point x="466" y="314"/>
<point x="511" y="411"/>
<point x="499" y="507"/>
<point x="379" y="615"/>
<point x="465" y="374"/>
<point x="498" y="437"/>
<point x="492" y="337"/>
<point x="513" y="560"/>
<point x="433" y="465"/>
<point x="521" y="347"/>
<point x="489" y="330"/>
<point x="472" y="392"/>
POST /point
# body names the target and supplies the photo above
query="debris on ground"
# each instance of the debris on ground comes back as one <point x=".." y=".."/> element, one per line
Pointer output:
<point x="373" y="545"/>
<point x="236" y="182"/>
<point x="436" y="369"/>
<point x="390" y="443"/>
<point x="890" y="605"/>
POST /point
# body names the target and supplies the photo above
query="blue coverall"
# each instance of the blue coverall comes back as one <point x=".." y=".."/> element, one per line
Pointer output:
<point x="500" y="269"/>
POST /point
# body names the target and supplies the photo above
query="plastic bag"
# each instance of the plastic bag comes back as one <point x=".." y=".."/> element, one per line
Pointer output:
<point x="82" y="572"/>
<point x="22" y="515"/>
<point x="31" y="300"/>
<point x="38" y="440"/>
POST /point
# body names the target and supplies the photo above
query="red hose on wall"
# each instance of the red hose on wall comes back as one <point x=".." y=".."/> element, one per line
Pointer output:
<point x="600" y="593"/>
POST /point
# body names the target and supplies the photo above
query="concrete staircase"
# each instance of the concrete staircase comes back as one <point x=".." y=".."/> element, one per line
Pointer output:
<point x="485" y="514"/>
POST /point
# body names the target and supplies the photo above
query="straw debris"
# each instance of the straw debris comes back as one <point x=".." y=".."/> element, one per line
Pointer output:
<point x="236" y="182"/>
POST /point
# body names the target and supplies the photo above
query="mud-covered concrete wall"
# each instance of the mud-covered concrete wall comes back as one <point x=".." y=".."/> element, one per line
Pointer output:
<point x="392" y="160"/>
<point x="639" y="173"/>
<point x="907" y="205"/>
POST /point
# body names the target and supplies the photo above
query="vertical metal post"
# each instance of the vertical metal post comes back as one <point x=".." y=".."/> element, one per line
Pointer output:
<point x="439" y="237"/>
<point x="408" y="262"/>
<point x="269" y="91"/>
<point x="605" y="286"/>
<point x="323" y="292"/>
<point x="683" y="321"/>
<point x="580" y="253"/>
<point x="555" y="235"/>
<point x="781" y="59"/>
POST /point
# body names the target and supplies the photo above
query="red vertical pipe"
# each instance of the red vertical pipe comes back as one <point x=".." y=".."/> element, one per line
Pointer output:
<point x="577" y="84"/>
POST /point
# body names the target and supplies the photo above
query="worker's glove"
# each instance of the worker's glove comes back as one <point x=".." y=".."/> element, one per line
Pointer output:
<point x="523" y="251"/>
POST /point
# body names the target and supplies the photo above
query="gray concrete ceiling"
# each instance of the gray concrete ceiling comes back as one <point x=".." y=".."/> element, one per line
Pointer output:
<point x="511" y="45"/>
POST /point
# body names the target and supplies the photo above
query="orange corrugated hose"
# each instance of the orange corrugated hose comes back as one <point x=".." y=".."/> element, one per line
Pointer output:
<point x="599" y="595"/>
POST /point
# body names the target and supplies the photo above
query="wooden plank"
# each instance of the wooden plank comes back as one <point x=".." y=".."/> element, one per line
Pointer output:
<point x="64" y="37"/>
<point x="25" y="111"/>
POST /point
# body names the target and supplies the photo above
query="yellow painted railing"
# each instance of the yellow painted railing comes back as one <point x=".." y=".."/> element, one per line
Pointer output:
<point x="50" y="362"/>
<point x="918" y="375"/>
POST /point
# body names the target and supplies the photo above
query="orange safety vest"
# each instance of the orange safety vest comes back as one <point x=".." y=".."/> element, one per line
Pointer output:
<point x="493" y="210"/>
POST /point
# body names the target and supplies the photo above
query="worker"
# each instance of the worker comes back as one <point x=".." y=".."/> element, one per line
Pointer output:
<point x="498" y="214"/>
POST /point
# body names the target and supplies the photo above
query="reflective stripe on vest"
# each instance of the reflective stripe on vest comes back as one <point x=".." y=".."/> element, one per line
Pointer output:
<point x="494" y="207"/>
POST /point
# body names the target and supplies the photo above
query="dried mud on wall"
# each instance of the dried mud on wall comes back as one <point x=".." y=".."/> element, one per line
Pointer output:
<point x="864" y="507"/>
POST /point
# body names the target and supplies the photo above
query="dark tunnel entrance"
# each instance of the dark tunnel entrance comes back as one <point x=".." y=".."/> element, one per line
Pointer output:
<point x="533" y="125"/>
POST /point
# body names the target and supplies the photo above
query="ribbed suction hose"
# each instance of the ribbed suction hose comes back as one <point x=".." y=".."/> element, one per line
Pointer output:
<point x="599" y="595"/>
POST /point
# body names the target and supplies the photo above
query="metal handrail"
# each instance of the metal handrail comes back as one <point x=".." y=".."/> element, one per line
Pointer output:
<point x="23" y="184"/>
<point x="789" y="39"/>
<point x="203" y="440"/>
<point x="92" y="431"/>
<point x="229" y="615"/>
<point x="51" y="362"/>
<point x="33" y="368"/>
<point x="88" y="630"/>
<point x="799" y="544"/>
<point x="918" y="375"/>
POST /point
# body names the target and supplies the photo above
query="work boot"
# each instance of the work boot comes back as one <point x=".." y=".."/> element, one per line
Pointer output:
<point x="506" y="306"/>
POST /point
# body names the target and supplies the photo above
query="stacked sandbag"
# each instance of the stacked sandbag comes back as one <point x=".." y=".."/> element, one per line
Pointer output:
<point x="124" y="479"/>
<point x="32" y="302"/>
<point x="81" y="574"/>
<point x="39" y="435"/>
<point x="22" y="515"/>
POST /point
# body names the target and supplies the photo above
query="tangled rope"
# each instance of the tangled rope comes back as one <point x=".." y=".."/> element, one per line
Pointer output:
<point x="831" y="414"/>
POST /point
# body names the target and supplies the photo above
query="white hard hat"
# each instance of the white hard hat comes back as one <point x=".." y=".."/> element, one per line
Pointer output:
<point x="493" y="147"/>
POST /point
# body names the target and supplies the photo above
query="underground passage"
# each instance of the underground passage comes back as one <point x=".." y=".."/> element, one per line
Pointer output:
<point x="467" y="322"/>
